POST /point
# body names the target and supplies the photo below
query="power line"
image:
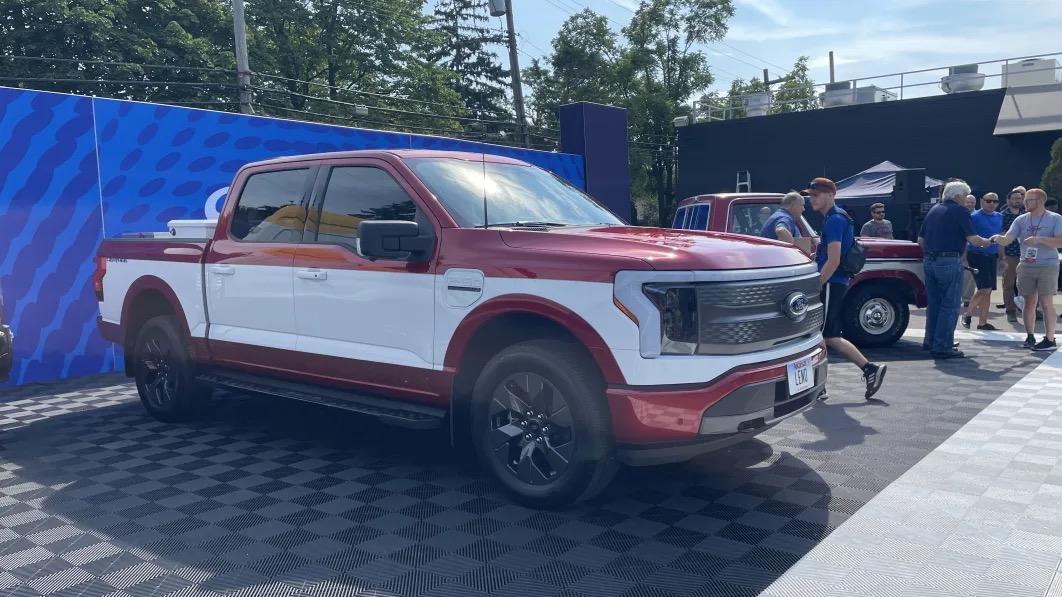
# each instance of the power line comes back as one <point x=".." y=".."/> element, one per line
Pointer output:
<point x="117" y="63"/>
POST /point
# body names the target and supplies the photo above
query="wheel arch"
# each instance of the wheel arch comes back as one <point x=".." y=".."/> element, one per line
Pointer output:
<point x="149" y="297"/>
<point x="504" y="321"/>
<point x="906" y="285"/>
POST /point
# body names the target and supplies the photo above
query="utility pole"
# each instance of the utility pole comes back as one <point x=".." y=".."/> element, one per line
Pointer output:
<point x="496" y="9"/>
<point x="243" y="69"/>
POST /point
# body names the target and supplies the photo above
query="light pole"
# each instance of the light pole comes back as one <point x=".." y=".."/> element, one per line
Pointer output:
<point x="243" y="69"/>
<point x="497" y="9"/>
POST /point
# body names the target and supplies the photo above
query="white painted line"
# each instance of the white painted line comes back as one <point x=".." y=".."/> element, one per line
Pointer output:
<point x="963" y="334"/>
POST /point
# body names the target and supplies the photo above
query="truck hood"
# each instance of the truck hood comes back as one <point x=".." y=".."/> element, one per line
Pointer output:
<point x="662" y="249"/>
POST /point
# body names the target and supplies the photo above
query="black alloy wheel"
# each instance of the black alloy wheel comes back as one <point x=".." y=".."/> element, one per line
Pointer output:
<point x="531" y="428"/>
<point x="156" y="369"/>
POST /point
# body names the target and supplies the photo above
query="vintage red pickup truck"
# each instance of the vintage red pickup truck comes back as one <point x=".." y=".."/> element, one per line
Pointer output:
<point x="877" y="306"/>
<point x="475" y="293"/>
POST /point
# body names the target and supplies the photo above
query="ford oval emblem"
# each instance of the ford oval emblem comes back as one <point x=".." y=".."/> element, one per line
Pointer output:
<point x="795" y="306"/>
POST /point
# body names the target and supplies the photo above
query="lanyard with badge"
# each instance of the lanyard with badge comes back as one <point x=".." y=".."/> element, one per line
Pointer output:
<point x="1028" y="254"/>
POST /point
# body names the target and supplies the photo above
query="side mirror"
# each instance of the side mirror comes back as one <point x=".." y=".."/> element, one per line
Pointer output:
<point x="394" y="239"/>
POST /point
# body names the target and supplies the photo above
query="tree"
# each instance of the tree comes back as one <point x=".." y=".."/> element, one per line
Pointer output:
<point x="335" y="55"/>
<point x="188" y="33"/>
<point x="463" y="49"/>
<point x="667" y="68"/>
<point x="795" y="93"/>
<point x="1052" y="179"/>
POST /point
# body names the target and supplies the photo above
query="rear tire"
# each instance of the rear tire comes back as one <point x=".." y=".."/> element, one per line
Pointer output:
<point x="874" y="316"/>
<point x="164" y="374"/>
<point x="541" y="425"/>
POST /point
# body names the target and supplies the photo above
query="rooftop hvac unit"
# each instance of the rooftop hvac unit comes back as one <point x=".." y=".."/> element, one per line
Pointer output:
<point x="757" y="104"/>
<point x="962" y="78"/>
<point x="1035" y="71"/>
<point x="841" y="94"/>
<point x="838" y="94"/>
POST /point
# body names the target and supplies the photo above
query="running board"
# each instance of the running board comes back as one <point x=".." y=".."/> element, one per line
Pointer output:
<point x="402" y="414"/>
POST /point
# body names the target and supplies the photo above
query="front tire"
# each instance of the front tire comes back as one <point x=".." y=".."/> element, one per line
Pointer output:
<point x="874" y="316"/>
<point x="540" y="423"/>
<point x="165" y="377"/>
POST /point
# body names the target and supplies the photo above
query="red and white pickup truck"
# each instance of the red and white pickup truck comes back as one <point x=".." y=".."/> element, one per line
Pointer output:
<point x="877" y="305"/>
<point x="476" y="292"/>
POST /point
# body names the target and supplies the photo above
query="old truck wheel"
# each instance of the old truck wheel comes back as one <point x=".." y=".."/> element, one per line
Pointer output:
<point x="540" y="423"/>
<point x="874" y="316"/>
<point x="163" y="372"/>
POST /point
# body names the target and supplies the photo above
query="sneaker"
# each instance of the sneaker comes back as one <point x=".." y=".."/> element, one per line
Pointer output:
<point x="987" y="327"/>
<point x="1030" y="341"/>
<point x="954" y="354"/>
<point x="874" y="375"/>
<point x="1045" y="344"/>
<point x="966" y="321"/>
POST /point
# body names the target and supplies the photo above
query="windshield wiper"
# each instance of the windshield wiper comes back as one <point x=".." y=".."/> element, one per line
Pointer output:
<point x="524" y="224"/>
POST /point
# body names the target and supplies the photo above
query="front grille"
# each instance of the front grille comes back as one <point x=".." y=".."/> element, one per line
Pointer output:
<point x="738" y="317"/>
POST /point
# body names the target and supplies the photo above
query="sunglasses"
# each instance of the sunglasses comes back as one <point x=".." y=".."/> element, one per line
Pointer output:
<point x="989" y="201"/>
<point x="879" y="211"/>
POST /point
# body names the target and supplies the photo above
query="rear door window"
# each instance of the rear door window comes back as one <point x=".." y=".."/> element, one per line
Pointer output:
<point x="270" y="208"/>
<point x="699" y="219"/>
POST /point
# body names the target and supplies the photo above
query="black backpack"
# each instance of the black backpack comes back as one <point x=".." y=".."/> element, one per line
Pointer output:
<point x="853" y="260"/>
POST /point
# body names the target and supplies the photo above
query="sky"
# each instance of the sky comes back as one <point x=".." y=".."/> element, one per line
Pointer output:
<point x="868" y="37"/>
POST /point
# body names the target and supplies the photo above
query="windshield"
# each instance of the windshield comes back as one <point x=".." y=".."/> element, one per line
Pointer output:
<point x="514" y="194"/>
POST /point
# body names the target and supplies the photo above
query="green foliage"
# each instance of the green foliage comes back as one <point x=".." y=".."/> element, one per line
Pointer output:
<point x="795" y="93"/>
<point x="653" y="70"/>
<point x="463" y="46"/>
<point x="194" y="33"/>
<point x="1052" y="179"/>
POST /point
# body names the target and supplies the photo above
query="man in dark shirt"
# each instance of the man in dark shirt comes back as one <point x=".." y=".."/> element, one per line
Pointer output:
<point x="945" y="232"/>
<point x="1011" y="253"/>
<point x="838" y="236"/>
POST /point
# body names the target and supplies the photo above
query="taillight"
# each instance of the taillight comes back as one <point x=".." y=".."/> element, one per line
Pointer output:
<point x="97" y="277"/>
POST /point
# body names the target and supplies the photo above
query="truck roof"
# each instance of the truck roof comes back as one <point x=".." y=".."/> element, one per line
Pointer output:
<point x="391" y="153"/>
<point x="728" y="197"/>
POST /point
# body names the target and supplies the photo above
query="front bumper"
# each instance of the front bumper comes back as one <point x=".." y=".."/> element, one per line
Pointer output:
<point x="661" y="425"/>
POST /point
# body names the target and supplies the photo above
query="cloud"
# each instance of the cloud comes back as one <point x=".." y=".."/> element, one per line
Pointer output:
<point x="773" y="10"/>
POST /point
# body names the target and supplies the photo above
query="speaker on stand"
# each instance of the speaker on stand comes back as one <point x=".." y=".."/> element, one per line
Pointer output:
<point x="906" y="204"/>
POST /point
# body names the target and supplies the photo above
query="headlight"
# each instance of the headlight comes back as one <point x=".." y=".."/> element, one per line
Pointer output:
<point x="679" y="319"/>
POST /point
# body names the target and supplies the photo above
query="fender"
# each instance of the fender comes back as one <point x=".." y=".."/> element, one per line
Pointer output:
<point x="533" y="305"/>
<point x="196" y="346"/>
<point x="907" y="277"/>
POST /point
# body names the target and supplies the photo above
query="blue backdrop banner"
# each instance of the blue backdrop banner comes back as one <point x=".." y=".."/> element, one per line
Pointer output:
<point x="75" y="170"/>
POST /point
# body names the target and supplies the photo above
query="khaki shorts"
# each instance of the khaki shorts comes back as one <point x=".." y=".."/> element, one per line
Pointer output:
<point x="1041" y="280"/>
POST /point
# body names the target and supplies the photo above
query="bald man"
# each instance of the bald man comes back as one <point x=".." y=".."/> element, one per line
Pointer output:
<point x="1040" y="234"/>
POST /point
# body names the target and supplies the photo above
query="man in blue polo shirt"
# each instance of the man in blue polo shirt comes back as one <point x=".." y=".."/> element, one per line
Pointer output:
<point x="838" y="236"/>
<point x="945" y="232"/>
<point x="987" y="222"/>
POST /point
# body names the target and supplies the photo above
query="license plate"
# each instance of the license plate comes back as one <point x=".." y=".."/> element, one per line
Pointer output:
<point x="801" y="376"/>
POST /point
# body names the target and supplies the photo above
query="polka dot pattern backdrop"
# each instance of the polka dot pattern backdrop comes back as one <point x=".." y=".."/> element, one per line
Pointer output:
<point x="74" y="170"/>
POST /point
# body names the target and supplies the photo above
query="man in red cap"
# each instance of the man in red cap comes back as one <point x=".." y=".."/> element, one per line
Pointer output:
<point x="838" y="236"/>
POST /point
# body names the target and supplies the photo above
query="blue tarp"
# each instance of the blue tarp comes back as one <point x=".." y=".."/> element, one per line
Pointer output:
<point x="877" y="182"/>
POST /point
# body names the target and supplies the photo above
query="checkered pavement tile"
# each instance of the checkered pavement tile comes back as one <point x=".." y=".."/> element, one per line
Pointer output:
<point x="267" y="497"/>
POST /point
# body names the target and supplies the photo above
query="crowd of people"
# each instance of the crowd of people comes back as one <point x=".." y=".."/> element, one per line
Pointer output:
<point x="964" y="245"/>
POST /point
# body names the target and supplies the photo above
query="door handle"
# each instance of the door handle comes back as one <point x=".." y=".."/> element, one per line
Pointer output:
<point x="311" y="274"/>
<point x="223" y="270"/>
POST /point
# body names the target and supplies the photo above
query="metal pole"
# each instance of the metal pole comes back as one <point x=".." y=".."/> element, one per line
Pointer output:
<point x="831" y="66"/>
<point x="514" y="66"/>
<point x="243" y="69"/>
<point x="901" y="85"/>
